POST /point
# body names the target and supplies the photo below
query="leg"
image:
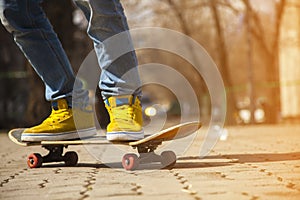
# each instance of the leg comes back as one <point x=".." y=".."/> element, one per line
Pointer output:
<point x="34" y="35"/>
<point x="119" y="76"/>
<point x="119" y="79"/>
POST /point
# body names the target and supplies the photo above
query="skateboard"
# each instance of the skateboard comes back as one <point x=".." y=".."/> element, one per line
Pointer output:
<point x="130" y="161"/>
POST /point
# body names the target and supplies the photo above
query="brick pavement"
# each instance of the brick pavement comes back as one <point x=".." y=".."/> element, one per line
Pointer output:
<point x="259" y="162"/>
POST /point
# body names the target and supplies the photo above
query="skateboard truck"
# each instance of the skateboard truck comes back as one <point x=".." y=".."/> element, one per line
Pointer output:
<point x="55" y="154"/>
<point x="147" y="155"/>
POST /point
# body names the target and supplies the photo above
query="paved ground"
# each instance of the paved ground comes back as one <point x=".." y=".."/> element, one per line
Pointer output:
<point x="261" y="162"/>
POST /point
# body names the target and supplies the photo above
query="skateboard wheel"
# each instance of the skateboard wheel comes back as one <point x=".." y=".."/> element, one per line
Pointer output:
<point x="71" y="158"/>
<point x="130" y="161"/>
<point x="34" y="160"/>
<point x="168" y="159"/>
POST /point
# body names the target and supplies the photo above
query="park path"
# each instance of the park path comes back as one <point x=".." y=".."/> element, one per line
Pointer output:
<point x="254" y="162"/>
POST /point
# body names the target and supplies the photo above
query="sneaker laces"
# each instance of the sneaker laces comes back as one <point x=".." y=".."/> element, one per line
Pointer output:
<point x="57" y="115"/>
<point x="124" y="112"/>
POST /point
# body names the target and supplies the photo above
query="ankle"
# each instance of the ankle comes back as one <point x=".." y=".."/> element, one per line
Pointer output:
<point x="60" y="104"/>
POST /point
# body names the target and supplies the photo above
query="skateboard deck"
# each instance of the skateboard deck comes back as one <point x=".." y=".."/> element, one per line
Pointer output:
<point x="145" y="147"/>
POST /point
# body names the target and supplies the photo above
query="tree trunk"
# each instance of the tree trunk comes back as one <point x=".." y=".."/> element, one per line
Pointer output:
<point x="231" y="101"/>
<point x="13" y="82"/>
<point x="271" y="58"/>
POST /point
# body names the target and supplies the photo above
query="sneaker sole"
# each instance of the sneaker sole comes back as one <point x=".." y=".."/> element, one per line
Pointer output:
<point x="37" y="137"/>
<point x="124" y="136"/>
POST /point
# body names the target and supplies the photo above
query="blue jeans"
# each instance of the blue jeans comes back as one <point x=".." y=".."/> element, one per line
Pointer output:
<point x="33" y="33"/>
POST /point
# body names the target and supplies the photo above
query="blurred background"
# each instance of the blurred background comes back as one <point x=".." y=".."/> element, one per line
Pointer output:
<point x="255" y="44"/>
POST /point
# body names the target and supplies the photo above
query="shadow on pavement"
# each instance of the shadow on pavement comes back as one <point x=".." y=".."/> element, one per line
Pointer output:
<point x="197" y="162"/>
<point x="255" y="157"/>
<point x="148" y="166"/>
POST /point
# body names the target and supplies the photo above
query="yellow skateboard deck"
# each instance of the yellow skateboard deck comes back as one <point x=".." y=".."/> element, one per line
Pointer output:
<point x="145" y="147"/>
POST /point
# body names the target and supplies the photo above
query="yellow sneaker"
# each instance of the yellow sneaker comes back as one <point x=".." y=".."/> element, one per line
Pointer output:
<point x="126" y="120"/>
<point x="60" y="125"/>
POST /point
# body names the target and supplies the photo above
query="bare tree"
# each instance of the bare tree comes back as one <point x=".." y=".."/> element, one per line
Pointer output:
<point x="180" y="10"/>
<point x="223" y="57"/>
<point x="250" y="68"/>
<point x="270" y="50"/>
